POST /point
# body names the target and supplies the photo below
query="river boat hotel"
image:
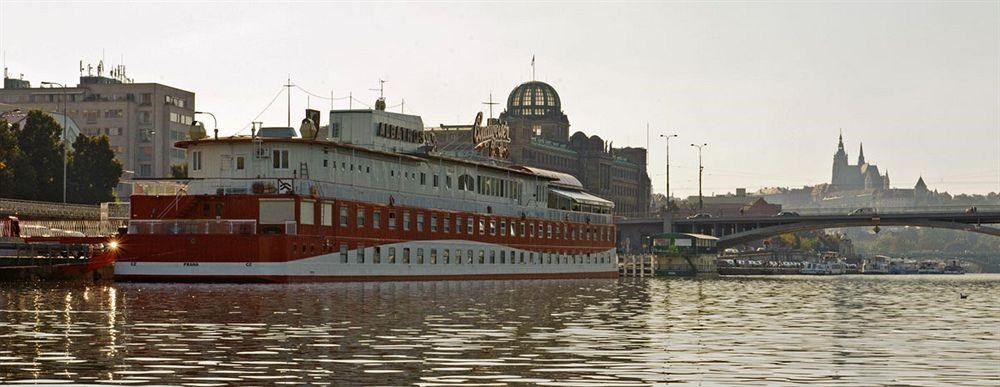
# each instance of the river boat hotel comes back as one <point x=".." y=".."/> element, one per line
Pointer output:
<point x="365" y="198"/>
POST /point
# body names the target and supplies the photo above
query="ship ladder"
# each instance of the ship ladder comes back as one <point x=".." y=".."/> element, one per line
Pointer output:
<point x="303" y="171"/>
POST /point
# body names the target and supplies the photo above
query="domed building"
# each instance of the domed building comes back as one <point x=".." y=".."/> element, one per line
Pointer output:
<point x="540" y="137"/>
<point x="534" y="109"/>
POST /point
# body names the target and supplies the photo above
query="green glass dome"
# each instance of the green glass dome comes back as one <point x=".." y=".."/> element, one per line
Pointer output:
<point x="533" y="99"/>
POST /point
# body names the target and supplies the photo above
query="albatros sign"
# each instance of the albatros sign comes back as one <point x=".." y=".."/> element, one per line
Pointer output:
<point x="492" y="139"/>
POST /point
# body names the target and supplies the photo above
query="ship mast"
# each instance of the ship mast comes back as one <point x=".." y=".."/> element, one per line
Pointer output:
<point x="289" y="92"/>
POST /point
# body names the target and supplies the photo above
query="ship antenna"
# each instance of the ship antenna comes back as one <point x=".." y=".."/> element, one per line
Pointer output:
<point x="491" y="103"/>
<point x="289" y="87"/>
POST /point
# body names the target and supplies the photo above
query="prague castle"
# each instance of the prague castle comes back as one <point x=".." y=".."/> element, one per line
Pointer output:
<point x="852" y="186"/>
<point x="860" y="177"/>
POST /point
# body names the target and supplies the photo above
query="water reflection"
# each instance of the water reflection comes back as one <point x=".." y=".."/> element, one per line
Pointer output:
<point x="774" y="331"/>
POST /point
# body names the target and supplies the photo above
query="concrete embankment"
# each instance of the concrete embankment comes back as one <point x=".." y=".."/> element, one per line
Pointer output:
<point x="29" y="269"/>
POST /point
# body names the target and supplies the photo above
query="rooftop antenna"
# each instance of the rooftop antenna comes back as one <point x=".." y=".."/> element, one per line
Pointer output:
<point x="491" y="103"/>
<point x="380" y="102"/>
<point x="350" y="100"/>
<point x="402" y="106"/>
<point x="289" y="92"/>
<point x="381" y="88"/>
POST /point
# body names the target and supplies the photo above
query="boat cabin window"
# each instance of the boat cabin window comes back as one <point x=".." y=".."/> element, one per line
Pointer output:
<point x="306" y="211"/>
<point x="196" y="161"/>
<point x="280" y="159"/>
<point x="327" y="215"/>
<point x="466" y="183"/>
<point x="276" y="211"/>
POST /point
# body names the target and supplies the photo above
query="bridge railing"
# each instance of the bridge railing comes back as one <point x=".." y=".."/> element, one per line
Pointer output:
<point x="893" y="210"/>
<point x="28" y="209"/>
<point x="115" y="210"/>
<point x="807" y="211"/>
<point x="64" y="228"/>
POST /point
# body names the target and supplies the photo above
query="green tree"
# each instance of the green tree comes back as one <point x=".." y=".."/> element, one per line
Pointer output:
<point x="9" y="151"/>
<point x="17" y="175"/>
<point x="39" y="140"/>
<point x="93" y="170"/>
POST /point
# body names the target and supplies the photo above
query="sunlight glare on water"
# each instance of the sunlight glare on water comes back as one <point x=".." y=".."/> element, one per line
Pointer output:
<point x="847" y="330"/>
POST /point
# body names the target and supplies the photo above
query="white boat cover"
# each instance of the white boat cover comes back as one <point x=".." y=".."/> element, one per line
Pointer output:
<point x="563" y="179"/>
<point x="582" y="197"/>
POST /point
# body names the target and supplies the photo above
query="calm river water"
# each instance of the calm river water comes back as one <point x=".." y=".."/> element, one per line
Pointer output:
<point x="847" y="330"/>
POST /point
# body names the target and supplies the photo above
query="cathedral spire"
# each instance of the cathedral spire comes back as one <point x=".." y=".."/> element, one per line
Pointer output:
<point x="861" y="155"/>
<point x="840" y="143"/>
<point x="920" y="187"/>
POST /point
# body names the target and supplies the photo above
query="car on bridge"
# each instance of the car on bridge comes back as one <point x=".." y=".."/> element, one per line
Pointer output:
<point x="864" y="211"/>
<point x="786" y="214"/>
<point x="700" y="215"/>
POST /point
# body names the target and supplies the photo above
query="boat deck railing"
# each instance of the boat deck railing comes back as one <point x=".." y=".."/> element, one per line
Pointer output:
<point x="470" y="202"/>
<point x="193" y="226"/>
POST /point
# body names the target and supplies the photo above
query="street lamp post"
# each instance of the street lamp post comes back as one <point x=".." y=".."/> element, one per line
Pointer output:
<point x="215" y="123"/>
<point x="701" y="168"/>
<point x="667" y="194"/>
<point x="65" y="119"/>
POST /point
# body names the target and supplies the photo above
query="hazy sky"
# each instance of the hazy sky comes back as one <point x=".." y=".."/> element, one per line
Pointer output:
<point x="766" y="85"/>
